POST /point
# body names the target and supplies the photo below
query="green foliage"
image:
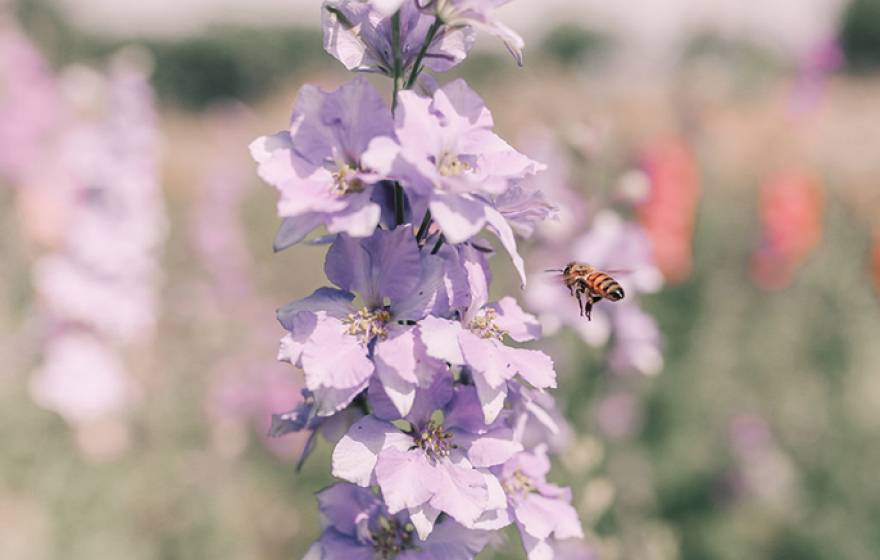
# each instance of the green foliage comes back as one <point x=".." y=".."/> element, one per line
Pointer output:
<point x="192" y="72"/>
<point x="860" y="34"/>
<point x="572" y="45"/>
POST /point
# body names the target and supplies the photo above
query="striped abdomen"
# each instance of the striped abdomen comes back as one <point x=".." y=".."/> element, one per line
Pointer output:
<point x="604" y="285"/>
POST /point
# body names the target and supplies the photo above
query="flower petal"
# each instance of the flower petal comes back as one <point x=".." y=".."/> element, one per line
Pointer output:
<point x="402" y="477"/>
<point x="459" y="490"/>
<point x="356" y="454"/>
<point x="519" y="325"/>
<point x="500" y="227"/>
<point x="460" y="217"/>
<point x="441" y="339"/>
<point x="534" y="366"/>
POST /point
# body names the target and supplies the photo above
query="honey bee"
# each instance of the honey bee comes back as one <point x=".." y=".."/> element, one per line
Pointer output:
<point x="589" y="285"/>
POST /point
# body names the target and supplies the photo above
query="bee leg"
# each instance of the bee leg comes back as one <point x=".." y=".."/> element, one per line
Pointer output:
<point x="580" y="303"/>
<point x="589" y="306"/>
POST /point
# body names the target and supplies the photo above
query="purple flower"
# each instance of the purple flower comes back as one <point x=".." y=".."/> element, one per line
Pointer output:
<point x="340" y="346"/>
<point x="535" y="418"/>
<point x="524" y="208"/>
<point x="360" y="37"/>
<point x="451" y="163"/>
<point x="541" y="510"/>
<point x="358" y="526"/>
<point x="29" y="103"/>
<point x="304" y="418"/>
<point x="476" y="340"/>
<point x="317" y="165"/>
<point x="479" y="15"/>
<point x="438" y="465"/>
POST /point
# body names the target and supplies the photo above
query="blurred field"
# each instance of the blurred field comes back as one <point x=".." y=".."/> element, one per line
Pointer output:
<point x="755" y="441"/>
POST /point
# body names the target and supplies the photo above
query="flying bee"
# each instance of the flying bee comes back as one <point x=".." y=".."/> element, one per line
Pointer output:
<point x="589" y="285"/>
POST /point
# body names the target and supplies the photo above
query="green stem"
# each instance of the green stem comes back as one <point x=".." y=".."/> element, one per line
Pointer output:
<point x="438" y="245"/>
<point x="417" y="67"/>
<point x="423" y="229"/>
<point x="395" y="44"/>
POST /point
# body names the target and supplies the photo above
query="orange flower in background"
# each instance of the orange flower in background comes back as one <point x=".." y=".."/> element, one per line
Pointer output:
<point x="669" y="211"/>
<point x="791" y="206"/>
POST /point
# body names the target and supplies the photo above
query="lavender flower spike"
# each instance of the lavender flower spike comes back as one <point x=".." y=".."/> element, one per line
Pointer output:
<point x="317" y="166"/>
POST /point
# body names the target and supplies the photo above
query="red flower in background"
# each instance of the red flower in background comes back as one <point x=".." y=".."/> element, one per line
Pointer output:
<point x="669" y="211"/>
<point x="791" y="207"/>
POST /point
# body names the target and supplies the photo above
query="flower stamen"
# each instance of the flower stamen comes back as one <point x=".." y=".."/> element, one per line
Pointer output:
<point x="345" y="181"/>
<point x="518" y="484"/>
<point x="392" y="538"/>
<point x="434" y="441"/>
<point x="450" y="166"/>
<point x="366" y="324"/>
<point x="484" y="325"/>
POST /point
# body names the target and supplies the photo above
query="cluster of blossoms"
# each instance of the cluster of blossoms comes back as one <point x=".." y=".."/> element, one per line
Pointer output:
<point x="93" y="202"/>
<point x="416" y="377"/>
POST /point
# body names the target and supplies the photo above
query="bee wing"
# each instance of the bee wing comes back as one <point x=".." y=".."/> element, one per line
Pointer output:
<point x="619" y="271"/>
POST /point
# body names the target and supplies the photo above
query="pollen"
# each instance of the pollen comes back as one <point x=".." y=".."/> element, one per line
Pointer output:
<point x="367" y="325"/>
<point x="434" y="441"/>
<point x="518" y="483"/>
<point x="450" y="166"/>
<point x="391" y="537"/>
<point x="484" y="325"/>
<point x="345" y="181"/>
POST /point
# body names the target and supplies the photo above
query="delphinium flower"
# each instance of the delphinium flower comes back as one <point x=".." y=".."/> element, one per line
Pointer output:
<point x="451" y="163"/>
<point x="404" y="354"/>
<point x="317" y="165"/>
<point x="542" y="511"/>
<point x="358" y="525"/>
<point x="340" y="346"/>
<point x="479" y="14"/>
<point x="476" y="339"/>
<point x="30" y="106"/>
<point x="98" y="289"/>
<point x="361" y="36"/>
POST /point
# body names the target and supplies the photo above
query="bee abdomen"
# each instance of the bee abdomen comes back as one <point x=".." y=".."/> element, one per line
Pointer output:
<point x="606" y="286"/>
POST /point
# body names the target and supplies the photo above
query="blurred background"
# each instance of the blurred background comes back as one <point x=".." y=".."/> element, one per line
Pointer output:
<point x="137" y="330"/>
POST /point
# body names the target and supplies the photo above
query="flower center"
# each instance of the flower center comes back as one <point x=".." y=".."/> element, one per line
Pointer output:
<point x="435" y="441"/>
<point x="484" y="325"/>
<point x="450" y="166"/>
<point x="345" y="181"/>
<point x="392" y="538"/>
<point x="518" y="484"/>
<point x="366" y="324"/>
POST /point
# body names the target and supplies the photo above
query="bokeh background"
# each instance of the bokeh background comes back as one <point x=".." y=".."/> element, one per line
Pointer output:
<point x="137" y="336"/>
